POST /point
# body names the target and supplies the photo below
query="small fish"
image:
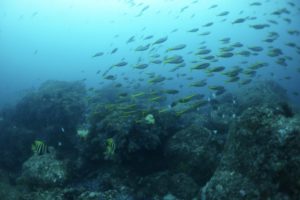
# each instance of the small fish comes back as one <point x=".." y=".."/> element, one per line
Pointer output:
<point x="237" y="44"/>
<point x="140" y="94"/>
<point x="110" y="77"/>
<point x="177" y="67"/>
<point x="120" y="64"/>
<point x="275" y="52"/>
<point x="208" y="57"/>
<point x="281" y="61"/>
<point x="225" y="40"/>
<point x="110" y="147"/>
<point x="223" y="14"/>
<point x="98" y="54"/>
<point x="200" y="66"/>
<point x="269" y="40"/>
<point x="114" y="51"/>
<point x="193" y="30"/>
<point x="281" y="11"/>
<point x="157" y="99"/>
<point x="256" y="48"/>
<point x="184" y="8"/>
<point x="245" y="81"/>
<point x="188" y="98"/>
<point x="225" y="55"/>
<point x="258" y="65"/>
<point x="177" y="47"/>
<point x="291" y="44"/>
<point x="204" y="33"/>
<point x="160" y="40"/>
<point x="293" y="32"/>
<point x="215" y="69"/>
<point x="141" y="66"/>
<point x="176" y="59"/>
<point x="155" y="56"/>
<point x="208" y="24"/>
<point x="148" y="37"/>
<point x="244" y="53"/>
<point x="233" y="72"/>
<point x="156" y="61"/>
<point x="273" y="21"/>
<point x="249" y="72"/>
<point x="200" y="83"/>
<point x="213" y="6"/>
<point x="193" y="107"/>
<point x="39" y="147"/>
<point x="142" y="48"/>
<point x="157" y="79"/>
<point x="292" y="4"/>
<point x="216" y="87"/>
<point x="239" y="20"/>
<point x="203" y="52"/>
<point x="255" y="4"/>
<point x="233" y="79"/>
<point x="259" y="26"/>
<point x="163" y="110"/>
<point x="171" y="91"/>
<point x="131" y="39"/>
<point x="226" y="49"/>
<point x="118" y="85"/>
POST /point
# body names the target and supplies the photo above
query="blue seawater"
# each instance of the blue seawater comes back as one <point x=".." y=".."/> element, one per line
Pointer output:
<point x="56" y="40"/>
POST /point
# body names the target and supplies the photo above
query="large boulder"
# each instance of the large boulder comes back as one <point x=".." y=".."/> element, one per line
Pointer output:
<point x="229" y="185"/>
<point x="195" y="151"/>
<point x="44" y="171"/>
<point x="263" y="149"/>
<point x="261" y="93"/>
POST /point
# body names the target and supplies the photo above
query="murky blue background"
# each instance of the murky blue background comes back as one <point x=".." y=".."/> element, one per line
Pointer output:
<point x="56" y="39"/>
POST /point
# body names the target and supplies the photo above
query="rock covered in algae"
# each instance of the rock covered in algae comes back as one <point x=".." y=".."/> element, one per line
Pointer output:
<point x="229" y="185"/>
<point x="44" y="171"/>
<point x="195" y="151"/>
<point x="263" y="154"/>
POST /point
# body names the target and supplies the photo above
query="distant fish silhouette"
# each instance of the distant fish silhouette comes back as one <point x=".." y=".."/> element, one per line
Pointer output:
<point x="114" y="50"/>
<point x="98" y="54"/>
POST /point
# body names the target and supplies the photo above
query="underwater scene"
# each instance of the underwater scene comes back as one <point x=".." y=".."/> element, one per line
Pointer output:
<point x="149" y="100"/>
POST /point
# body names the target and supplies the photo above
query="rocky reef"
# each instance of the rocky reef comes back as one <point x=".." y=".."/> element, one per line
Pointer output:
<point x="63" y="142"/>
<point x="260" y="158"/>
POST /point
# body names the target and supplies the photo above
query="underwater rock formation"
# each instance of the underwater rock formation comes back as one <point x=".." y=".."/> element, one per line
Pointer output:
<point x="195" y="151"/>
<point x="56" y="104"/>
<point x="229" y="149"/>
<point x="44" y="171"/>
<point x="133" y="140"/>
<point x="262" y="151"/>
<point x="261" y="93"/>
<point x="229" y="185"/>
